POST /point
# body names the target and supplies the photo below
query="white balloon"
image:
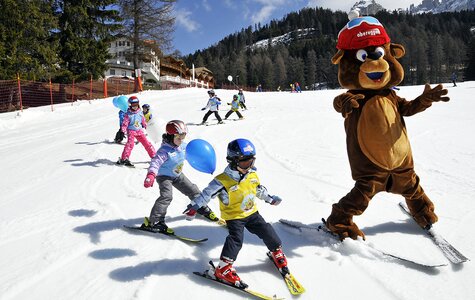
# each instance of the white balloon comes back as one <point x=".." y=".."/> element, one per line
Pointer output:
<point x="230" y="78"/>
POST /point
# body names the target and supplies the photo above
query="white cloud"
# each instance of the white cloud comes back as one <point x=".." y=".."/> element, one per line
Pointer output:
<point x="183" y="19"/>
<point x="264" y="13"/>
<point x="206" y="5"/>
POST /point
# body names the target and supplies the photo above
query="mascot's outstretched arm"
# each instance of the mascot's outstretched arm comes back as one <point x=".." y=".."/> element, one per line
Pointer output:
<point x="345" y="103"/>
<point x="424" y="101"/>
<point x="433" y="95"/>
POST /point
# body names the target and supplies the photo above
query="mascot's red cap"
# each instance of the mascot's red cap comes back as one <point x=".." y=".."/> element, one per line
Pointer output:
<point x="361" y="32"/>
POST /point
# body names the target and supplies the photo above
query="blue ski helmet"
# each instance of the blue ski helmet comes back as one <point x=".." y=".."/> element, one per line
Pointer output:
<point x="239" y="149"/>
<point x="146" y="106"/>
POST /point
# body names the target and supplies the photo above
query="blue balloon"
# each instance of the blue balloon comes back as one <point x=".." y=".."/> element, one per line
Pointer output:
<point x="201" y="156"/>
<point x="121" y="102"/>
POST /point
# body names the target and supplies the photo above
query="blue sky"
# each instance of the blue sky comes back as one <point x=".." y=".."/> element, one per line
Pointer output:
<point x="202" y="23"/>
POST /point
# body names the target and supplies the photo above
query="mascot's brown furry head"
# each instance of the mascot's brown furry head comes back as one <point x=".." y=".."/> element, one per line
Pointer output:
<point x="377" y="142"/>
<point x="368" y="55"/>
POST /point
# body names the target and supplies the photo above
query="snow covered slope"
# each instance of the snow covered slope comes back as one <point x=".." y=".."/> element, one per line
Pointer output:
<point x="63" y="203"/>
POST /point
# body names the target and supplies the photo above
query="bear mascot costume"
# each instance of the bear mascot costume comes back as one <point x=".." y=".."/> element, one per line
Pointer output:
<point x="377" y="142"/>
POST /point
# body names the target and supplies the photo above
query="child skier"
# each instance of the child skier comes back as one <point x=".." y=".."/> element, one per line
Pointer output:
<point x="119" y="136"/>
<point x="166" y="168"/>
<point x="234" y="108"/>
<point x="242" y="99"/>
<point x="237" y="188"/>
<point x="133" y="123"/>
<point x="212" y="105"/>
<point x="146" y="112"/>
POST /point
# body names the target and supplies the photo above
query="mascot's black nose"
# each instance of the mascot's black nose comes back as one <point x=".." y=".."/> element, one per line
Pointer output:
<point x="375" y="55"/>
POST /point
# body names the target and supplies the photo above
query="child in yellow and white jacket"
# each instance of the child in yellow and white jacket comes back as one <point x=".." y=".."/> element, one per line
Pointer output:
<point x="237" y="188"/>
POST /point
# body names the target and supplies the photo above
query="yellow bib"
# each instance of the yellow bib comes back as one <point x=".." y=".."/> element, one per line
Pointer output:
<point x="147" y="116"/>
<point x="242" y="196"/>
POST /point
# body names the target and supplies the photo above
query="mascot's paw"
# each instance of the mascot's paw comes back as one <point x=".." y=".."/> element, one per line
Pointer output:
<point x="345" y="103"/>
<point x="344" y="229"/>
<point x="423" y="211"/>
<point x="433" y="95"/>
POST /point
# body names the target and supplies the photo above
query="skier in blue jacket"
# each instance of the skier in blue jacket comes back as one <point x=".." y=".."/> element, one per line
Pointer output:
<point x="166" y="168"/>
<point x="213" y="104"/>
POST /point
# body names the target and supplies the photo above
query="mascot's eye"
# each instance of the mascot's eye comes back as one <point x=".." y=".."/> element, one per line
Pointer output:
<point x="361" y="55"/>
<point x="379" y="50"/>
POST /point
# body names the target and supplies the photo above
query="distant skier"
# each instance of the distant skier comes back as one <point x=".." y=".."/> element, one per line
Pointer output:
<point x="454" y="78"/>
<point x="212" y="105"/>
<point x="237" y="188"/>
<point x="234" y="108"/>
<point x="119" y="136"/>
<point x="166" y="168"/>
<point x="133" y="123"/>
<point x="242" y="99"/>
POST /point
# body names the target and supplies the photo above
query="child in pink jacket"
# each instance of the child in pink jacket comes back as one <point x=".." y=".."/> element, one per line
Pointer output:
<point x="133" y="123"/>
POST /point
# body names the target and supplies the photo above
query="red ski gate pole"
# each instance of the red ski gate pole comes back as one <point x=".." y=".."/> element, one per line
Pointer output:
<point x="19" y="92"/>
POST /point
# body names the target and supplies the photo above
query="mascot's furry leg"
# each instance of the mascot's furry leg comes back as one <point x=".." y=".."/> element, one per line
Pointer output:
<point x="340" y="220"/>
<point x="405" y="183"/>
<point x="421" y="207"/>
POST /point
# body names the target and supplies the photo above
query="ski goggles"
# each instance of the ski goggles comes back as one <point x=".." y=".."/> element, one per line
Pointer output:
<point x="181" y="136"/>
<point x="246" y="162"/>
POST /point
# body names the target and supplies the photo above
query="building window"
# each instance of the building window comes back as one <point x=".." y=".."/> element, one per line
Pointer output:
<point x="112" y="71"/>
<point x="128" y="44"/>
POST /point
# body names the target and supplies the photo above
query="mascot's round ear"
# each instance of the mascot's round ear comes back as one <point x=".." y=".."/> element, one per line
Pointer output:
<point x="336" y="58"/>
<point x="397" y="50"/>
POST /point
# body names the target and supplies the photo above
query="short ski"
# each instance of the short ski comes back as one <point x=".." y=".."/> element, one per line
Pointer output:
<point x="243" y="289"/>
<point x="169" y="233"/>
<point x="323" y="228"/>
<point x="449" y="251"/>
<point x="295" y="288"/>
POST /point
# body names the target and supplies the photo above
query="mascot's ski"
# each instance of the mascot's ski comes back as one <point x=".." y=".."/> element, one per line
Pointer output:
<point x="324" y="230"/>
<point x="447" y="249"/>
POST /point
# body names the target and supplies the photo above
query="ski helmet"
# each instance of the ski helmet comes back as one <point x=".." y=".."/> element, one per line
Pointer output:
<point x="176" y="127"/>
<point x="133" y="100"/>
<point x="211" y="93"/>
<point x="241" y="155"/>
<point x="240" y="148"/>
<point x="235" y="97"/>
<point x="146" y="106"/>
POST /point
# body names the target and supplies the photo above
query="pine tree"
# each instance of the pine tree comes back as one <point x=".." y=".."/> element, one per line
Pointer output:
<point x="311" y="68"/>
<point x="85" y="31"/>
<point x="469" y="73"/>
<point x="27" y="47"/>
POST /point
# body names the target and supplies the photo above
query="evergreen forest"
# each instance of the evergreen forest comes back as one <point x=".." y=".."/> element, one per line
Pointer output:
<point x="436" y="46"/>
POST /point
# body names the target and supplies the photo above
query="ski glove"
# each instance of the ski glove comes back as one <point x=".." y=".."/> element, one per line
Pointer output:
<point x="275" y="200"/>
<point x="149" y="180"/>
<point x="190" y="211"/>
